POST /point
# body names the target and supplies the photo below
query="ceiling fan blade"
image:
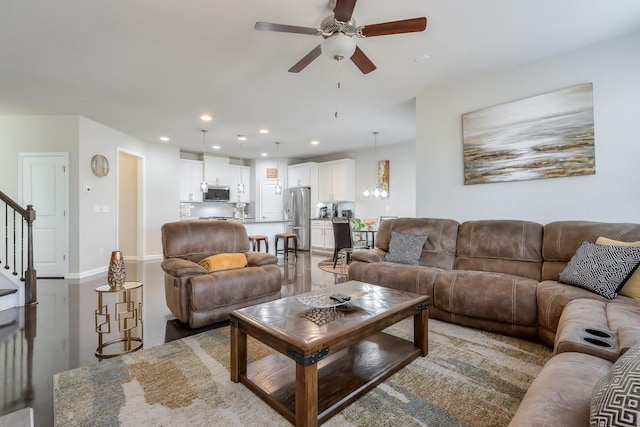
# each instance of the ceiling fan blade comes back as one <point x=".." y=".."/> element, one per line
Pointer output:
<point x="344" y="10"/>
<point x="268" y="26"/>
<point x="413" y="25"/>
<point x="308" y="59"/>
<point x="362" y="61"/>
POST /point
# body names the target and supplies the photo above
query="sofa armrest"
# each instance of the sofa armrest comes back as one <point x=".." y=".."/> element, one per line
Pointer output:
<point x="628" y="336"/>
<point x="179" y="267"/>
<point x="257" y="259"/>
<point x="368" y="255"/>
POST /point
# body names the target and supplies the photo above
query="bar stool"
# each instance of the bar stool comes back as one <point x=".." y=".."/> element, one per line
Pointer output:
<point x="256" y="242"/>
<point x="287" y="247"/>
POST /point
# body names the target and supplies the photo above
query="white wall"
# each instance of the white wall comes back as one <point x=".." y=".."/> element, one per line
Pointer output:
<point x="402" y="182"/>
<point x="98" y="209"/>
<point x="22" y="134"/>
<point x="92" y="216"/>
<point x="609" y="195"/>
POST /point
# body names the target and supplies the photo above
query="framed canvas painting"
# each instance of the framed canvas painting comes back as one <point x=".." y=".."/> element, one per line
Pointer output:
<point x="544" y="136"/>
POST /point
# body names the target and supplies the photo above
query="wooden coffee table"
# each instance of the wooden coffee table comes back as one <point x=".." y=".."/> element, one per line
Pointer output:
<point x="326" y="357"/>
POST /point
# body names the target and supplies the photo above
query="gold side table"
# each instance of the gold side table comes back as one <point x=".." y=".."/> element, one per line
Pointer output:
<point x="123" y="306"/>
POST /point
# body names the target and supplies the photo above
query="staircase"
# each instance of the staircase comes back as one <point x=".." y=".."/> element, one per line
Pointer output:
<point x="17" y="284"/>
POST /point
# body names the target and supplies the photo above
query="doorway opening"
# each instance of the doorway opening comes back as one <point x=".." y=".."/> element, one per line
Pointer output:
<point x="130" y="196"/>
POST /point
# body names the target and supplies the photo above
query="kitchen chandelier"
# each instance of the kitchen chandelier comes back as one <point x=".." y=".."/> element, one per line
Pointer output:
<point x="377" y="192"/>
<point x="278" y="187"/>
<point x="203" y="185"/>
<point x="241" y="183"/>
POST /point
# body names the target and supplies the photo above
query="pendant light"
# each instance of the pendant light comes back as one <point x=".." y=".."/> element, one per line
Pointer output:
<point x="278" y="187"/>
<point x="241" y="183"/>
<point x="203" y="185"/>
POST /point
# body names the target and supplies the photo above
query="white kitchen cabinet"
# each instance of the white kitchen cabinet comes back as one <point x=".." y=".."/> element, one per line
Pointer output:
<point x="336" y="181"/>
<point x="235" y="172"/>
<point x="190" y="179"/>
<point x="322" y="235"/>
<point x="217" y="170"/>
<point x="303" y="175"/>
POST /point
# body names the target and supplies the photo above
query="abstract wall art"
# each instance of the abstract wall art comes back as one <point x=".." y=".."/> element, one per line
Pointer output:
<point x="382" y="176"/>
<point x="544" y="136"/>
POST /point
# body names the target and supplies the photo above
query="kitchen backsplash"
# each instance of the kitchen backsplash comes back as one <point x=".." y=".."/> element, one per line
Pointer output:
<point x="205" y="210"/>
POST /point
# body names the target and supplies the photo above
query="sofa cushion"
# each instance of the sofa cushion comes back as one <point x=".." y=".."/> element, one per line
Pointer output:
<point x="485" y="295"/>
<point x="601" y="269"/>
<point x="197" y="239"/>
<point x="563" y="238"/>
<point x="632" y="287"/>
<point x="405" y="248"/>
<point x="616" y="396"/>
<point x="501" y="246"/>
<point x="222" y="262"/>
<point x="440" y="249"/>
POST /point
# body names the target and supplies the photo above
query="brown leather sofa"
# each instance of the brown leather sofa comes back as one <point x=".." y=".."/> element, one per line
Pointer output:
<point x="200" y="298"/>
<point x="502" y="276"/>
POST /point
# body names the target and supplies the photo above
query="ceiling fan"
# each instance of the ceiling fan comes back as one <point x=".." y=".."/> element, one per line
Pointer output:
<point x="339" y="31"/>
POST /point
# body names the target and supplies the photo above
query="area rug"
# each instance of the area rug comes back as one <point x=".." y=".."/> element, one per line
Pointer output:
<point x="327" y="265"/>
<point x="469" y="378"/>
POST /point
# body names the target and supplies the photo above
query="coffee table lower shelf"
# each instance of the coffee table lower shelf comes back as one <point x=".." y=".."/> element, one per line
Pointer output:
<point x="342" y="377"/>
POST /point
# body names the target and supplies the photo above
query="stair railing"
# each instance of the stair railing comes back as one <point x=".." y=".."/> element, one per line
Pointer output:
<point x="13" y="251"/>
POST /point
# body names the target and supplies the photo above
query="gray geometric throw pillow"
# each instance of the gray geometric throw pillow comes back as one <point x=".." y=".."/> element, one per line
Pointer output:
<point x="602" y="269"/>
<point x="405" y="248"/>
<point x="616" y="397"/>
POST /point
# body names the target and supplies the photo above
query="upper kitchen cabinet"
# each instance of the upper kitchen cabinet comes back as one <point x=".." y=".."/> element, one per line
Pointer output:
<point x="235" y="173"/>
<point x="216" y="170"/>
<point x="303" y="175"/>
<point x="190" y="179"/>
<point x="336" y="181"/>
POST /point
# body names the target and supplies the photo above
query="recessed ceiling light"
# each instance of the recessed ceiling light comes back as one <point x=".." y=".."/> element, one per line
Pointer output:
<point x="314" y="142"/>
<point x="264" y="154"/>
<point x="164" y="138"/>
<point x="215" y="147"/>
<point x="205" y="117"/>
<point x="242" y="138"/>
<point x="264" y="131"/>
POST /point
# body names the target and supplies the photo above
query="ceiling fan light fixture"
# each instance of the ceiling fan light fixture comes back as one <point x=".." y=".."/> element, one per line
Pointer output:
<point x="338" y="46"/>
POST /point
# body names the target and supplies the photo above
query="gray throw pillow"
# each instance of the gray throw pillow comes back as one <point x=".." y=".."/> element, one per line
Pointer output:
<point x="602" y="269"/>
<point x="616" y="396"/>
<point x="405" y="248"/>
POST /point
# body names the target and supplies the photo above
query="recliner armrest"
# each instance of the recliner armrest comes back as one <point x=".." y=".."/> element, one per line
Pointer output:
<point x="368" y="255"/>
<point x="257" y="259"/>
<point x="179" y="267"/>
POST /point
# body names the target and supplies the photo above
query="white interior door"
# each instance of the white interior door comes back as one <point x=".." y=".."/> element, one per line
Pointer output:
<point x="44" y="185"/>
<point x="271" y="204"/>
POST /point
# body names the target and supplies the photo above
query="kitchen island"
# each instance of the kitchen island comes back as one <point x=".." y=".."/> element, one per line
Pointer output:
<point x="267" y="228"/>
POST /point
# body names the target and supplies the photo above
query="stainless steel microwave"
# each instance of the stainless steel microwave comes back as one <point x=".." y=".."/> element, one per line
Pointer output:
<point x="217" y="193"/>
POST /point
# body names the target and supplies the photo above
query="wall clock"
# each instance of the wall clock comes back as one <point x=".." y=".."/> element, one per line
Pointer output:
<point x="100" y="165"/>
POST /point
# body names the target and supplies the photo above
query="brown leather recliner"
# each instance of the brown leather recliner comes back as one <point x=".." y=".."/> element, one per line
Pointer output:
<point x="200" y="298"/>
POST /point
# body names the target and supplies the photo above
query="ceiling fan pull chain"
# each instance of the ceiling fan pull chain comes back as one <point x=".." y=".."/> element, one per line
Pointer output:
<point x="338" y="86"/>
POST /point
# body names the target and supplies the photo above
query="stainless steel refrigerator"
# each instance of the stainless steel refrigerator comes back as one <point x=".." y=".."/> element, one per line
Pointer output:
<point x="298" y="211"/>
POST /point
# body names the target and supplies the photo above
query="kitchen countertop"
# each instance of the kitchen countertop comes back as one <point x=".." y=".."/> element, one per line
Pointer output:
<point x="246" y="221"/>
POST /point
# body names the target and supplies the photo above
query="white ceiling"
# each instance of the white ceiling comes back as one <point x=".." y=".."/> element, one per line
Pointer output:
<point x="151" y="67"/>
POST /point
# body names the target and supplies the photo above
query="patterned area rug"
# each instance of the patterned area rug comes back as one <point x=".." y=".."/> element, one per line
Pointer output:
<point x="327" y="265"/>
<point x="469" y="378"/>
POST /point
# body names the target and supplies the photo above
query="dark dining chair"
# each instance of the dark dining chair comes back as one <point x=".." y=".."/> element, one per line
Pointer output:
<point x="343" y="239"/>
